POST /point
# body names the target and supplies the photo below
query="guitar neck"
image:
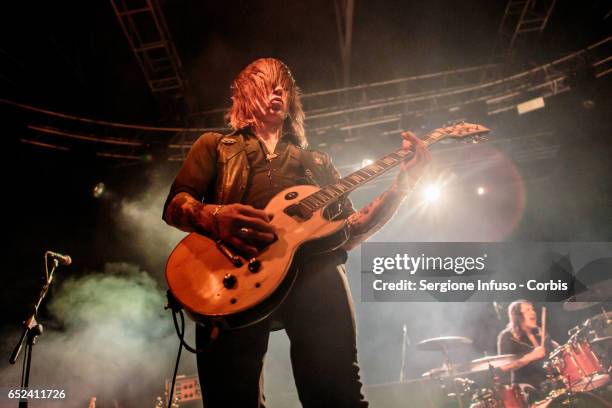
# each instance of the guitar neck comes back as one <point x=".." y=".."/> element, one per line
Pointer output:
<point x="344" y="186"/>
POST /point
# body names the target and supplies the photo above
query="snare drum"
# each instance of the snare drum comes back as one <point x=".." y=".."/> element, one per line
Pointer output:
<point x="579" y="366"/>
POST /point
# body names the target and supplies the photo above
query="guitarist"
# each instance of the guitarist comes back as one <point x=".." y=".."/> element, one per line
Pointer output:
<point x="220" y="191"/>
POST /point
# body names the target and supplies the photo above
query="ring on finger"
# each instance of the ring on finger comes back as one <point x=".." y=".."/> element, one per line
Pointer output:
<point x="244" y="232"/>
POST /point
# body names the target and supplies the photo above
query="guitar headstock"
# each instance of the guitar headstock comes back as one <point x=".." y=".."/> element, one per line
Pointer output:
<point x="461" y="130"/>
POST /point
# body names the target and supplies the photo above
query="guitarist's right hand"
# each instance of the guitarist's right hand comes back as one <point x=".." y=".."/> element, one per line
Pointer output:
<point x="244" y="227"/>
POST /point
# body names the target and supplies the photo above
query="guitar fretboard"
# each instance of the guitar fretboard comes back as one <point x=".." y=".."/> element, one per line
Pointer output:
<point x="345" y="185"/>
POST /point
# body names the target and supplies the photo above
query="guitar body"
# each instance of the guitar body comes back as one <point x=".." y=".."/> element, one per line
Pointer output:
<point x="196" y="270"/>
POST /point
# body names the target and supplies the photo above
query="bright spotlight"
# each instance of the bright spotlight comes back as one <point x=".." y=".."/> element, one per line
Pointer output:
<point x="480" y="190"/>
<point x="366" y="162"/>
<point x="432" y="193"/>
<point x="98" y="190"/>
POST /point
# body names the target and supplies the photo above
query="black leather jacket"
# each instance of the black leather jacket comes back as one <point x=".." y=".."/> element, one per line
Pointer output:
<point x="224" y="169"/>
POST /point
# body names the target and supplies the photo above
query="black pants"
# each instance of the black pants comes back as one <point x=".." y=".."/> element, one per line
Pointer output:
<point x="320" y="323"/>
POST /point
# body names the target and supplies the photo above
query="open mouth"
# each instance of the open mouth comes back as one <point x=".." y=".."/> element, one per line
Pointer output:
<point x="276" y="103"/>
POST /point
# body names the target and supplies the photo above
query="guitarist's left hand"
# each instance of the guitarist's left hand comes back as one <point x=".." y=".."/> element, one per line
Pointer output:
<point x="413" y="168"/>
<point x="373" y="216"/>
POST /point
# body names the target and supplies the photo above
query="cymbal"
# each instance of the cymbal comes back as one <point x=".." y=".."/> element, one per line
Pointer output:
<point x="593" y="295"/>
<point x="574" y="306"/>
<point x="439" y="372"/>
<point x="443" y="343"/>
<point x="482" y="364"/>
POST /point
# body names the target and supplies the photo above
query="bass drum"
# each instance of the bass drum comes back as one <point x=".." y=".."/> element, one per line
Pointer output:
<point x="579" y="400"/>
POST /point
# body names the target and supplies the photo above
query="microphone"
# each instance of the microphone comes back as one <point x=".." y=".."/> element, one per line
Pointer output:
<point x="62" y="259"/>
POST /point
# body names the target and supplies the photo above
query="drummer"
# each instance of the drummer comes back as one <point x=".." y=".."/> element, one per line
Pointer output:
<point x="522" y="337"/>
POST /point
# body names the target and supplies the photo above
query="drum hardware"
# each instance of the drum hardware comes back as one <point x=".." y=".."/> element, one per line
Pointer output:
<point x="499" y="395"/>
<point x="601" y="340"/>
<point x="444" y="344"/>
<point x="439" y="372"/>
<point x="568" y="399"/>
<point x="554" y="383"/>
<point x="601" y="324"/>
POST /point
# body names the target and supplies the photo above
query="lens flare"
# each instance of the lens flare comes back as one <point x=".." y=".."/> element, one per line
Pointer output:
<point x="432" y="193"/>
<point x="366" y="162"/>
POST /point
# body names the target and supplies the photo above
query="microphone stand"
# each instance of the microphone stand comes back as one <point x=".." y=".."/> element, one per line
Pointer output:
<point x="31" y="330"/>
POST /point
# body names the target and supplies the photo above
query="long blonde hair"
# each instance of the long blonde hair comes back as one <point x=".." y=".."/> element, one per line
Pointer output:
<point x="251" y="88"/>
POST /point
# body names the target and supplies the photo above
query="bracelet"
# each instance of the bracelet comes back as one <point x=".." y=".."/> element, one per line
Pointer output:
<point x="215" y="221"/>
<point x="216" y="210"/>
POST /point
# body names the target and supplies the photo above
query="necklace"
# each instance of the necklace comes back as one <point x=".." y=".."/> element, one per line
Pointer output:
<point x="269" y="155"/>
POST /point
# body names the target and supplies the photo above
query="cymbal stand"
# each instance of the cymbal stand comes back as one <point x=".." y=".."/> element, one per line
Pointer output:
<point x="405" y="343"/>
<point x="448" y="363"/>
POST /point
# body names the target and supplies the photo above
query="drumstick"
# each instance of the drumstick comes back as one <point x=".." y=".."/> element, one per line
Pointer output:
<point x="543" y="331"/>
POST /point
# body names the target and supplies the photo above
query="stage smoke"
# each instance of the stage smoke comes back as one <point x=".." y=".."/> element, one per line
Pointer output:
<point x="115" y="341"/>
<point x="141" y="221"/>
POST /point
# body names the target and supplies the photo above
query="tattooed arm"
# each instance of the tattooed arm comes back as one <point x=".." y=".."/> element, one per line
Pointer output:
<point x="221" y="222"/>
<point x="190" y="215"/>
<point x="365" y="222"/>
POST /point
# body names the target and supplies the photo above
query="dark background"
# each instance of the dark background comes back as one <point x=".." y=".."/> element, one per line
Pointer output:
<point x="72" y="57"/>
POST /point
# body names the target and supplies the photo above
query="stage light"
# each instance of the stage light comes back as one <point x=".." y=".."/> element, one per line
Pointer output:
<point x="366" y="162"/>
<point x="432" y="193"/>
<point x="98" y="190"/>
<point x="530" y="105"/>
<point x="481" y="190"/>
<point x="588" y="104"/>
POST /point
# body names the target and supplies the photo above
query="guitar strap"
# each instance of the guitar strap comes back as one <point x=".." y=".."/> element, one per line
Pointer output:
<point x="314" y="168"/>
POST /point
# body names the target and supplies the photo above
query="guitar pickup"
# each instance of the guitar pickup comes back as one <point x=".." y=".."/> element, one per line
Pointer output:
<point x="298" y="211"/>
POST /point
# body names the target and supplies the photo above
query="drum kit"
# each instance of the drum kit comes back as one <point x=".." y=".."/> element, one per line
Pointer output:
<point x="465" y="392"/>
<point x="578" y="372"/>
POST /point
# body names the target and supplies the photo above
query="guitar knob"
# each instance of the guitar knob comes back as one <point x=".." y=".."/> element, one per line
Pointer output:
<point x="229" y="281"/>
<point x="254" y="265"/>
